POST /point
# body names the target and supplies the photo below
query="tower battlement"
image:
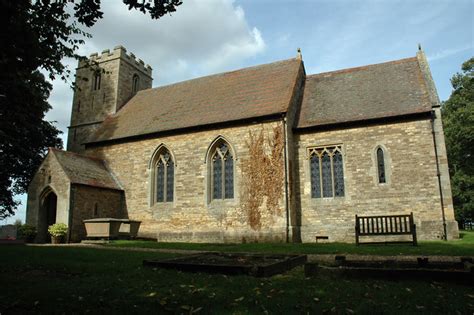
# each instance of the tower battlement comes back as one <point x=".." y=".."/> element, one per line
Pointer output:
<point x="119" y="52"/>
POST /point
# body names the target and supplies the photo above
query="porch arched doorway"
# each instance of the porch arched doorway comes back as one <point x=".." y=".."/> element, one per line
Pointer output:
<point x="48" y="211"/>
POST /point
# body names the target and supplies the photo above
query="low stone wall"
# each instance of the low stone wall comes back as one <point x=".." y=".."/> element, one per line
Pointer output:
<point x="223" y="237"/>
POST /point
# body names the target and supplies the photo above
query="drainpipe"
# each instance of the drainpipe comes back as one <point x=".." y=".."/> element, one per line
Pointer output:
<point x="287" y="208"/>
<point x="438" y="173"/>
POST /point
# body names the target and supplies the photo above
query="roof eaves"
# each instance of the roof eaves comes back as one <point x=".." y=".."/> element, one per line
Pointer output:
<point x="366" y="120"/>
<point x="187" y="128"/>
<point x="97" y="186"/>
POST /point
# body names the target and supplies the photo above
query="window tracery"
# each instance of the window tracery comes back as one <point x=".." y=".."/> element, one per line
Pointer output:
<point x="222" y="172"/>
<point x="163" y="177"/>
<point x="327" y="172"/>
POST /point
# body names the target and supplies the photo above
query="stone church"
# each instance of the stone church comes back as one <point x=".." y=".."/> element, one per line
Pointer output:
<point x="266" y="153"/>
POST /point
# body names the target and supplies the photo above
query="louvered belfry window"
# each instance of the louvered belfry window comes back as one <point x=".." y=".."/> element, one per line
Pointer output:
<point x="97" y="79"/>
<point x="327" y="172"/>
<point x="222" y="172"/>
<point x="135" y="83"/>
<point x="164" y="182"/>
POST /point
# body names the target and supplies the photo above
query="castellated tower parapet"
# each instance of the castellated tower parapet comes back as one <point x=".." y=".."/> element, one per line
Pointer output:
<point x="104" y="83"/>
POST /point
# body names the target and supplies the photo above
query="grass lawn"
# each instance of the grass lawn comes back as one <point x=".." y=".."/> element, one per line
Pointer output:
<point x="462" y="247"/>
<point x="87" y="280"/>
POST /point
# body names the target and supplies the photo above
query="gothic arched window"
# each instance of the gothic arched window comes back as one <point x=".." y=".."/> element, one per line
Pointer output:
<point x="327" y="172"/>
<point x="222" y="171"/>
<point x="163" y="176"/>
<point x="381" y="166"/>
<point x="135" y="83"/>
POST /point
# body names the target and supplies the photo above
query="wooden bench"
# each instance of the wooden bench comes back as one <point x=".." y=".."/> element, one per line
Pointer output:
<point x="385" y="225"/>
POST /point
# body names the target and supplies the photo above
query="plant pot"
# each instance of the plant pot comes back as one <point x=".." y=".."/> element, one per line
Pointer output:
<point x="56" y="239"/>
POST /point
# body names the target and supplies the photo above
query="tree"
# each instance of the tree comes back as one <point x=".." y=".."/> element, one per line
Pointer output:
<point x="35" y="37"/>
<point x="458" y="116"/>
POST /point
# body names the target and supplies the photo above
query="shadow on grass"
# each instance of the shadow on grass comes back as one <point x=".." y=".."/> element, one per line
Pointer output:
<point x="460" y="247"/>
<point x="58" y="280"/>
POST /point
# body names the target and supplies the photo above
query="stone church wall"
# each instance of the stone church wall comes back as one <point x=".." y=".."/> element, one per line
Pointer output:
<point x="192" y="216"/>
<point x="92" y="202"/>
<point x="412" y="184"/>
<point x="49" y="178"/>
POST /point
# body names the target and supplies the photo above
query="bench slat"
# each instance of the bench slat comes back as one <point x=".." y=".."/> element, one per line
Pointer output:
<point x="385" y="225"/>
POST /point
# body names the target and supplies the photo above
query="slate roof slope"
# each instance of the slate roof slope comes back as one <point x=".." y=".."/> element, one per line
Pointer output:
<point x="81" y="169"/>
<point x="382" y="90"/>
<point x="243" y="94"/>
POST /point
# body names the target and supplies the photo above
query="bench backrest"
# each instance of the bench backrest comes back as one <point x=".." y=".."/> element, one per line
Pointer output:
<point x="385" y="225"/>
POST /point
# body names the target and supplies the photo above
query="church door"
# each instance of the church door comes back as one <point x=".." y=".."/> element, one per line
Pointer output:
<point x="48" y="216"/>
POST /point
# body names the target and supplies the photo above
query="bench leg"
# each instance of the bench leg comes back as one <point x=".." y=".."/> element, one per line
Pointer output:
<point x="415" y="241"/>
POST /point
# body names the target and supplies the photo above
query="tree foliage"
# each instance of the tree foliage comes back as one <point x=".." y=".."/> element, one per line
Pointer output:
<point x="458" y="116"/>
<point x="35" y="37"/>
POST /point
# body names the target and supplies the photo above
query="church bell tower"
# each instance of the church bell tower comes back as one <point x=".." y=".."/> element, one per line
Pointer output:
<point x="104" y="83"/>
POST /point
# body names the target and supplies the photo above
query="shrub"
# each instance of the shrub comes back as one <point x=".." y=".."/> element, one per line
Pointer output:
<point x="57" y="229"/>
<point x="26" y="232"/>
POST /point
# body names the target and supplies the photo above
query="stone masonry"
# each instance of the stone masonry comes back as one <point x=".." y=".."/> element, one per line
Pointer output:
<point x="50" y="178"/>
<point x="91" y="202"/>
<point x="192" y="216"/>
<point x="411" y="186"/>
<point x="91" y="106"/>
<point x="257" y="111"/>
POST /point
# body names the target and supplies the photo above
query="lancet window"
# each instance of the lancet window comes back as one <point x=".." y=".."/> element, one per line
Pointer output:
<point x="222" y="171"/>
<point x="381" y="166"/>
<point x="164" y="177"/>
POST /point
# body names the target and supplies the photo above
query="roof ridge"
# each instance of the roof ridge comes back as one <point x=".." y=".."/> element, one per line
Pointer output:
<point x="359" y="68"/>
<point x="77" y="154"/>
<point x="223" y="73"/>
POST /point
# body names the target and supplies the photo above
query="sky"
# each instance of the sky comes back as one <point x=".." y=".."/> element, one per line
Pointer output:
<point x="205" y="37"/>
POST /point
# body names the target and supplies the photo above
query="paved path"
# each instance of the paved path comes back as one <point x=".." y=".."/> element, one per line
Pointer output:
<point x="311" y="257"/>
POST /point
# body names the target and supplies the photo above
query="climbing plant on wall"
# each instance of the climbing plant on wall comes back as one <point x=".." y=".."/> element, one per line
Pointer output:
<point x="263" y="176"/>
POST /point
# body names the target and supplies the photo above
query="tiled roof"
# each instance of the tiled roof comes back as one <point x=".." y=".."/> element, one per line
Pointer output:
<point x="376" y="91"/>
<point x="243" y="94"/>
<point x="85" y="170"/>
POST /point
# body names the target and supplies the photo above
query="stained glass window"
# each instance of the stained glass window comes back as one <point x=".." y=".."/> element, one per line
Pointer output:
<point x="169" y="181"/>
<point x="164" y="177"/>
<point x="222" y="172"/>
<point x="338" y="174"/>
<point x="217" y="177"/>
<point x="229" y="178"/>
<point x="315" y="177"/>
<point x="160" y="181"/>
<point x="381" y="166"/>
<point x="327" y="172"/>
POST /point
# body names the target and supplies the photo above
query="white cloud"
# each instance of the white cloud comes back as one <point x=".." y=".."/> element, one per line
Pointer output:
<point x="207" y="35"/>
<point x="200" y="38"/>
<point x="448" y="52"/>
